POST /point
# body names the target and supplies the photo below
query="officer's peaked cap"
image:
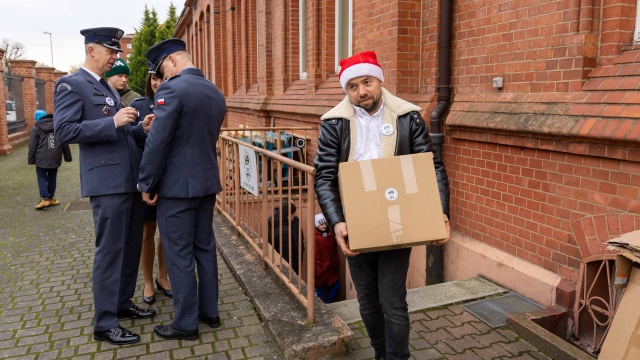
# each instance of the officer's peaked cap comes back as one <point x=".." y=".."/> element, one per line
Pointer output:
<point x="156" y="54"/>
<point x="106" y="36"/>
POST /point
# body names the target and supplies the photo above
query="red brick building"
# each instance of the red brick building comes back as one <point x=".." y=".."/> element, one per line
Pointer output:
<point x="543" y="169"/>
<point x="126" y="43"/>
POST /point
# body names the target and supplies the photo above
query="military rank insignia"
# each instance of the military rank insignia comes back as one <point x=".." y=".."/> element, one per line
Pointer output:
<point x="106" y="110"/>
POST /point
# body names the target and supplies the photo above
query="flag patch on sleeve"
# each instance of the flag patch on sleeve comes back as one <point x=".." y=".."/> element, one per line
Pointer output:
<point x="160" y="101"/>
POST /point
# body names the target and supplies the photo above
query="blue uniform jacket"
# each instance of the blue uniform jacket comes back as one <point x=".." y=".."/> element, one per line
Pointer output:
<point x="179" y="159"/>
<point x="145" y="107"/>
<point x="83" y="114"/>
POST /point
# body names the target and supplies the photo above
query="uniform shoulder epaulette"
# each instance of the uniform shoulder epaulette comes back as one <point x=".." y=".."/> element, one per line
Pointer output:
<point x="141" y="98"/>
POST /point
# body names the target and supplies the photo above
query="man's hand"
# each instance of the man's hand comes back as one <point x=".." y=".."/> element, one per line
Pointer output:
<point x="146" y="122"/>
<point x="125" y="116"/>
<point x="446" y="224"/>
<point x="340" y="230"/>
<point x="146" y="197"/>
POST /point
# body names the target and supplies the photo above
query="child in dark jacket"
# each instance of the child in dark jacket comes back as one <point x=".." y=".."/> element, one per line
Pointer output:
<point x="327" y="261"/>
<point x="45" y="152"/>
<point x="284" y="218"/>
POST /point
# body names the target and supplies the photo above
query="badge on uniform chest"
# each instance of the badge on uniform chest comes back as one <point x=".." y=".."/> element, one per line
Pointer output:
<point x="106" y="110"/>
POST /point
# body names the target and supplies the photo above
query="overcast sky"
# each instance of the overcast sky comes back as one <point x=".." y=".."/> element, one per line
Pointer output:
<point x="25" y="20"/>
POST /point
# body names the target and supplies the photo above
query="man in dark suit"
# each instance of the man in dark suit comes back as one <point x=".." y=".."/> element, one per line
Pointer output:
<point x="179" y="171"/>
<point x="87" y="111"/>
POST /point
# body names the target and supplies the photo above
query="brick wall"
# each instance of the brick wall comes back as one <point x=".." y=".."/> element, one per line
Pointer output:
<point x="559" y="143"/>
<point x="523" y="199"/>
<point x="28" y="71"/>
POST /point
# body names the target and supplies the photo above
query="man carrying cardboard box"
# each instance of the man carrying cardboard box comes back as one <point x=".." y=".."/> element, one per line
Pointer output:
<point x="378" y="125"/>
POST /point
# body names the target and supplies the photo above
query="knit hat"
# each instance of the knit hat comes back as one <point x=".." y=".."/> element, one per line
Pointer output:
<point x="362" y="64"/>
<point x="320" y="220"/>
<point x="120" y="67"/>
<point x="39" y="114"/>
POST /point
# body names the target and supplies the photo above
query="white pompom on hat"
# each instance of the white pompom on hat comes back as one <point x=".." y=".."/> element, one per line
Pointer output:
<point x="319" y="219"/>
<point x="362" y="64"/>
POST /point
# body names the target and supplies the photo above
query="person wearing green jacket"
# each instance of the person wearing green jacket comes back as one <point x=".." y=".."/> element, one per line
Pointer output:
<point x="118" y="78"/>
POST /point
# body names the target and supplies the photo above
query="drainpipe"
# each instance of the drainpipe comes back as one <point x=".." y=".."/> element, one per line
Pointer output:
<point x="435" y="255"/>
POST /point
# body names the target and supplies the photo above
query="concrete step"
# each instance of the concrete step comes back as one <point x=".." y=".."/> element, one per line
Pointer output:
<point x="428" y="297"/>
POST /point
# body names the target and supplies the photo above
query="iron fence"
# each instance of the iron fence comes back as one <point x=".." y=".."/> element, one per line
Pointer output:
<point x="14" y="101"/>
<point x="41" y="97"/>
<point x="261" y="170"/>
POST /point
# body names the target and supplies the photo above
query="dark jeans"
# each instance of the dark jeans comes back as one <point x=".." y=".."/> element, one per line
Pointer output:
<point x="47" y="182"/>
<point x="329" y="293"/>
<point x="380" y="280"/>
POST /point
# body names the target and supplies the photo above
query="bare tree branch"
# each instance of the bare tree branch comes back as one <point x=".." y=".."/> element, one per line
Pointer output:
<point x="13" y="49"/>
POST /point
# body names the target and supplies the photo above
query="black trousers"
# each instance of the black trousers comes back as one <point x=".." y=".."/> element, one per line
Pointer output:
<point x="380" y="280"/>
<point x="188" y="241"/>
<point x="118" y="221"/>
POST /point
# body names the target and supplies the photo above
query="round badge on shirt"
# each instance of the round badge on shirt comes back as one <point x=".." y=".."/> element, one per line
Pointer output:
<point x="110" y="101"/>
<point x="387" y="129"/>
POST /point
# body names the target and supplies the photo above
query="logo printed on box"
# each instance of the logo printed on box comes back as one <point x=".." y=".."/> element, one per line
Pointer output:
<point x="391" y="194"/>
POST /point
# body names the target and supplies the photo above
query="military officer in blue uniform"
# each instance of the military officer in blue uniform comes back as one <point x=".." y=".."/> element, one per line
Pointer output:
<point x="179" y="171"/>
<point x="88" y="112"/>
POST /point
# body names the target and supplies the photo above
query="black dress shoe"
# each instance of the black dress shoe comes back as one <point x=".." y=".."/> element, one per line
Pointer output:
<point x="212" y="321"/>
<point x="116" y="336"/>
<point x="170" y="333"/>
<point x="136" y="313"/>
<point x="167" y="293"/>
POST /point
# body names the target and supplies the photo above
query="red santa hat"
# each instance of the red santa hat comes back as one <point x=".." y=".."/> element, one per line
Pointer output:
<point x="362" y="64"/>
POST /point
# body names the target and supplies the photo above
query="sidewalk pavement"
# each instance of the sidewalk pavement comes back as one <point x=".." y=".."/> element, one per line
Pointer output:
<point x="46" y="302"/>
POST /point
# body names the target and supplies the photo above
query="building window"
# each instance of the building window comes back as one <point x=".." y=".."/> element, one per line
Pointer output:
<point x="344" y="10"/>
<point x="302" y="27"/>
<point x="128" y="55"/>
<point x="129" y="46"/>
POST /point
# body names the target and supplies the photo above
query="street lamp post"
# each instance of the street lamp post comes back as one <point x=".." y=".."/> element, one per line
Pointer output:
<point x="51" y="45"/>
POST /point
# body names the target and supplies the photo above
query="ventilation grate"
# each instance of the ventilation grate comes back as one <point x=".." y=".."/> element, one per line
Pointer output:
<point x="78" y="206"/>
<point x="494" y="311"/>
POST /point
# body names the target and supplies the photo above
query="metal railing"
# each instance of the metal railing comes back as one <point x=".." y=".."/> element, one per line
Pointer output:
<point x="276" y="232"/>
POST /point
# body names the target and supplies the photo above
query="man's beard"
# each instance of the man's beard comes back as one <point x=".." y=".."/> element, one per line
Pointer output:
<point x="374" y="105"/>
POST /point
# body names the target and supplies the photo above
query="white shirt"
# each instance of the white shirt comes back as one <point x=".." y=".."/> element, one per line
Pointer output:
<point x="368" y="136"/>
<point x="95" y="76"/>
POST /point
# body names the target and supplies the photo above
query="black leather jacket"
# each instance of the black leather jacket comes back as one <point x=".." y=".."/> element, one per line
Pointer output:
<point x="334" y="146"/>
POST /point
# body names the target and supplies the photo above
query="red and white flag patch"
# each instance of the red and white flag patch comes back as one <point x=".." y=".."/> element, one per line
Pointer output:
<point x="160" y="101"/>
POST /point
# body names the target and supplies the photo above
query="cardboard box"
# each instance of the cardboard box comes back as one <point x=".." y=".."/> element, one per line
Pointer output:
<point x="391" y="203"/>
<point x="623" y="338"/>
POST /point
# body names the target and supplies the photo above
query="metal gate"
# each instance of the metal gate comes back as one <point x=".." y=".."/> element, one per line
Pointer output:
<point x="41" y="95"/>
<point x="15" y="102"/>
<point x="596" y="304"/>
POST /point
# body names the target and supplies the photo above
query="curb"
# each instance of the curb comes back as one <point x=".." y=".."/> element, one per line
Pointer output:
<point x="524" y="324"/>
